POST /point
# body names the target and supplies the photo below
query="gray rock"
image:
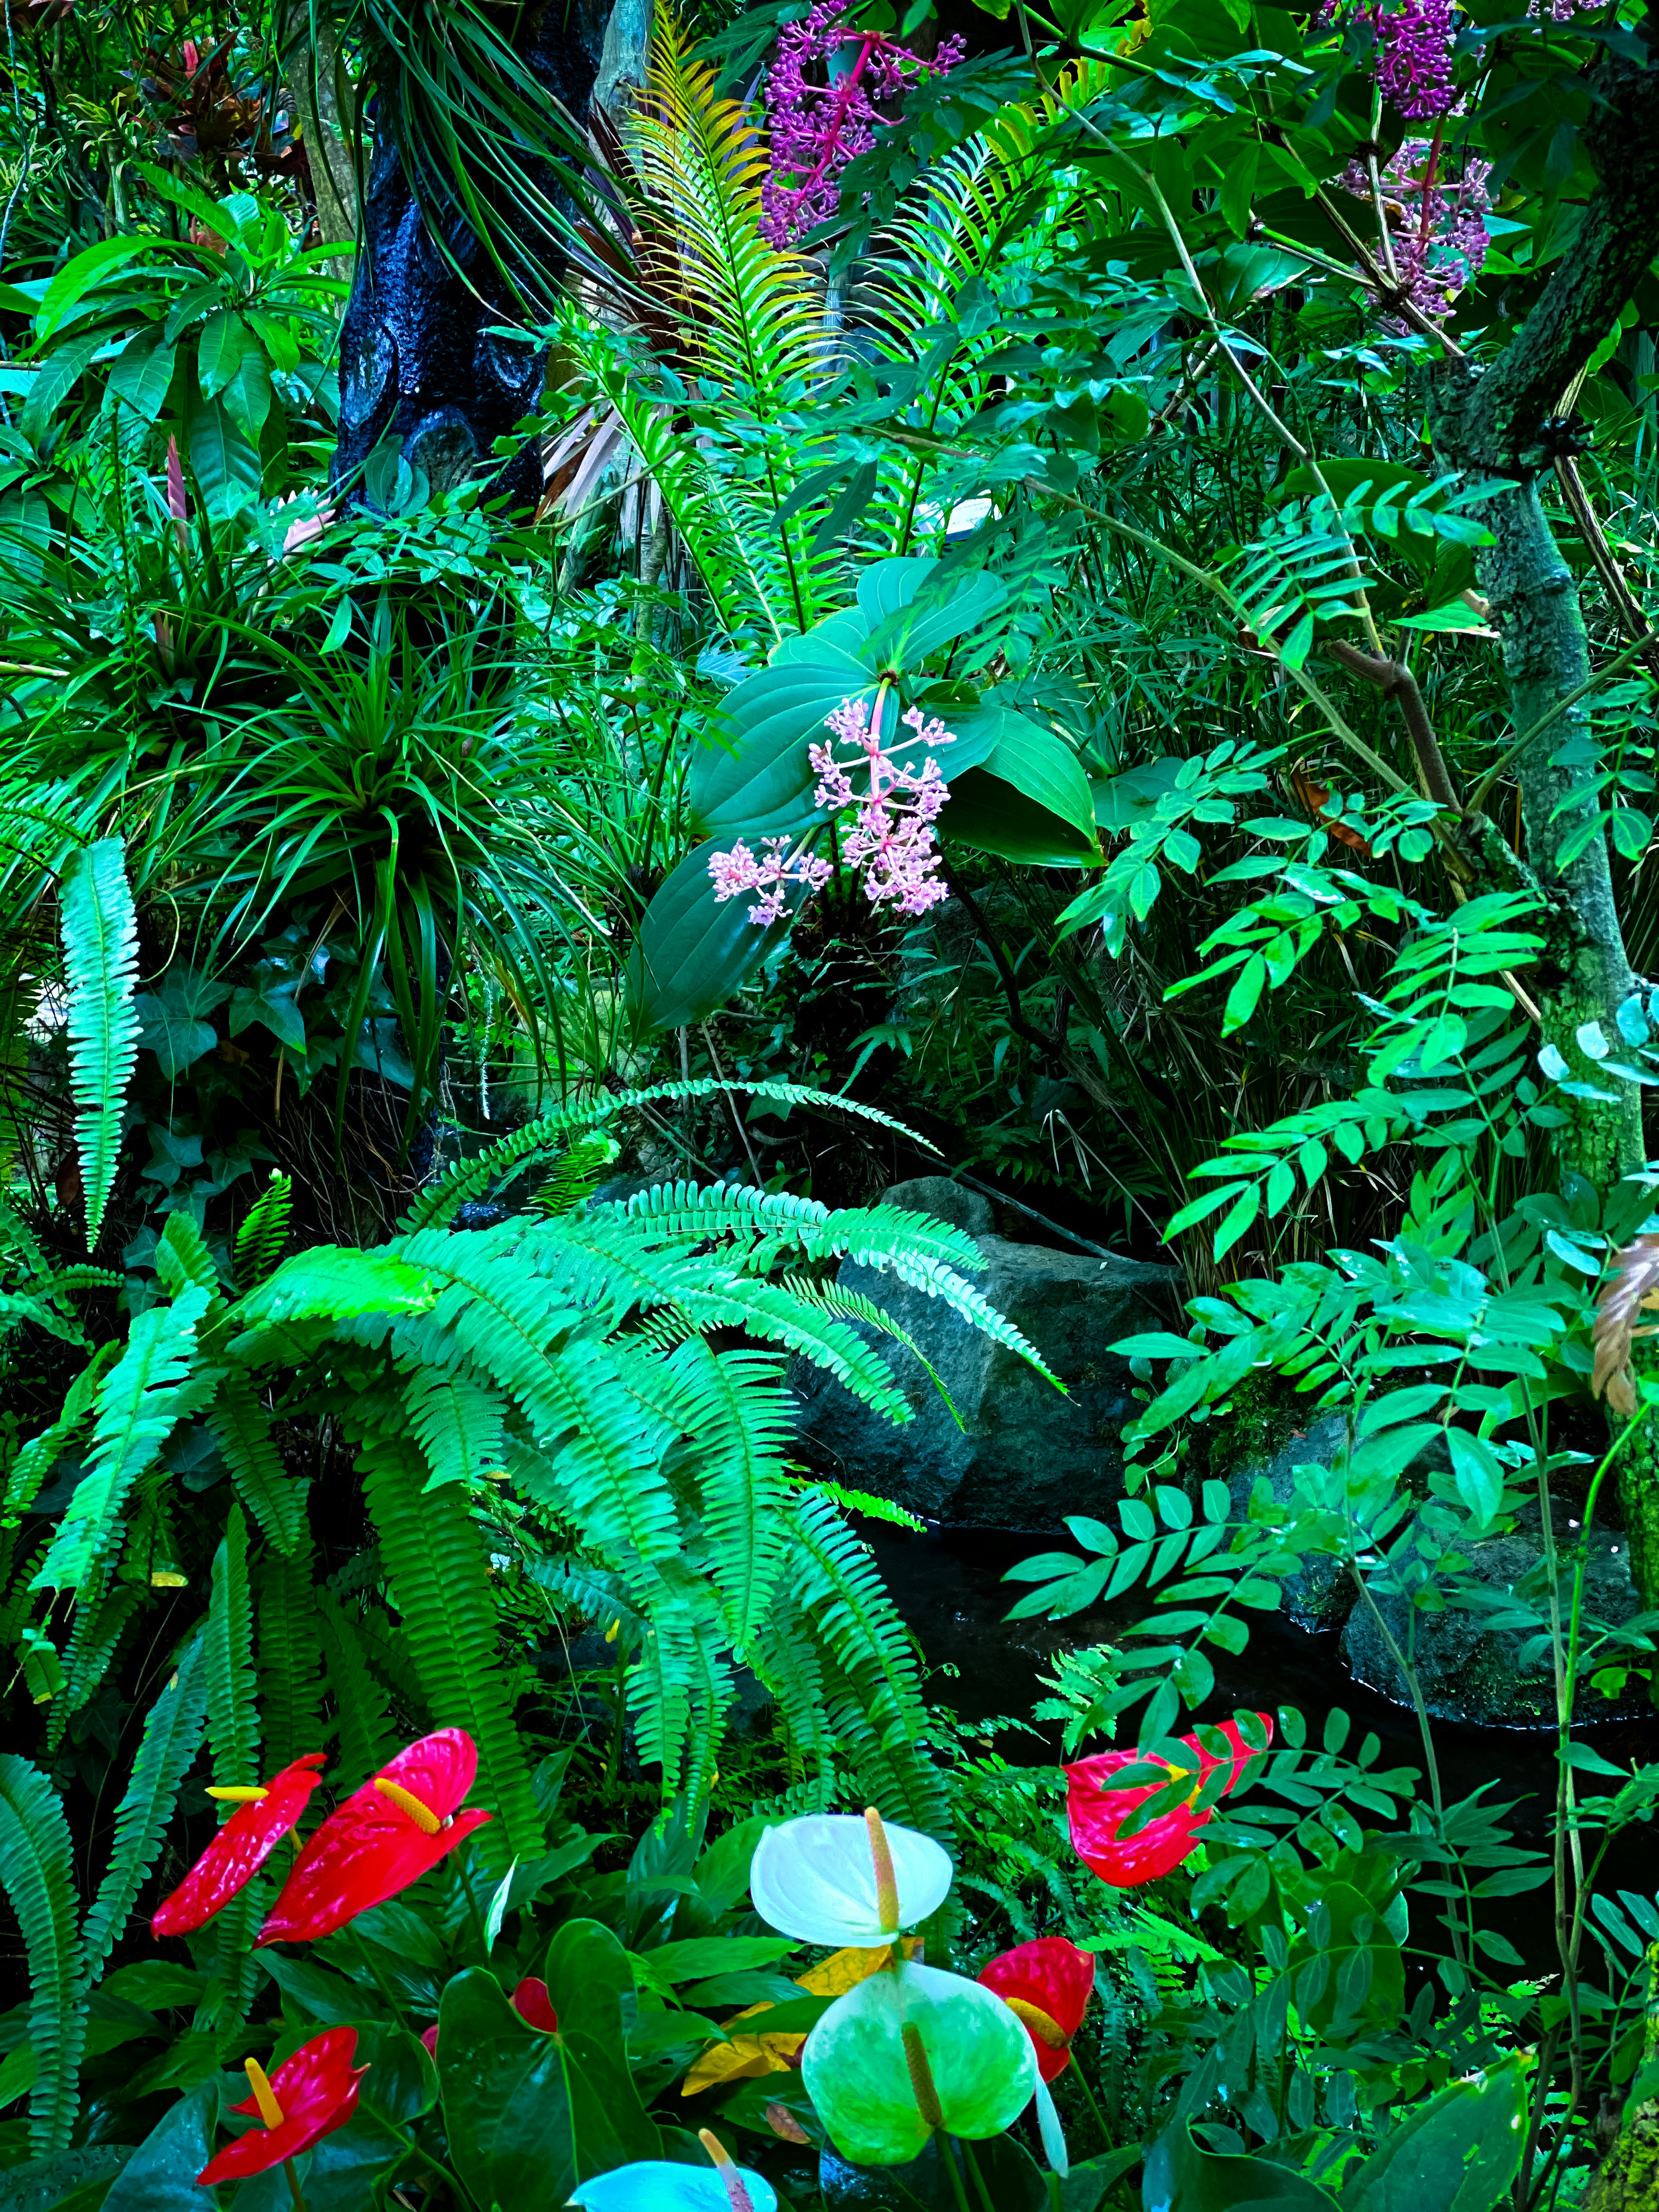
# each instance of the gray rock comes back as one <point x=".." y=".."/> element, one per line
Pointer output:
<point x="1024" y="1456"/>
<point x="1468" y="1662"/>
<point x="1321" y="1594"/>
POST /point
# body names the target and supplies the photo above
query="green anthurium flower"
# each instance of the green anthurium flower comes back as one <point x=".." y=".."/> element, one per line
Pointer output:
<point x="911" y="2050"/>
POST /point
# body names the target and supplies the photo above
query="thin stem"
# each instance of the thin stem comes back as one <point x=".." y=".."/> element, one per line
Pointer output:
<point x="1553" y="714"/>
<point x="1084" y="2084"/>
<point x="954" y="2171"/>
<point x="384" y="1986"/>
<point x="980" y="2189"/>
<point x="294" y="2185"/>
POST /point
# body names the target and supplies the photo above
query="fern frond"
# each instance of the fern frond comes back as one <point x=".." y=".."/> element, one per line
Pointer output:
<point x="434" y="1555"/>
<point x="502" y="1163"/>
<point x="36" y="1459"/>
<point x="101" y="975"/>
<point x="361" y="1707"/>
<point x="139" y="1403"/>
<point x="171" y="1738"/>
<point x="853" y="1305"/>
<point x="232" y="1707"/>
<point x="103" y="1613"/>
<point x="576" y="1172"/>
<point x="241" y="1426"/>
<point x="290" y="1684"/>
<point x="182" y="1257"/>
<point x="461" y="1426"/>
<point x="37" y="1874"/>
<point x="260" y="1239"/>
<point x="680" y="1689"/>
<point x="735" y="1409"/>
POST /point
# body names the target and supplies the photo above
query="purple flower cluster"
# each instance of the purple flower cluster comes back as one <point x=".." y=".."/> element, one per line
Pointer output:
<point x="1413" y="57"/>
<point x="739" y="871"/>
<point x="891" y="841"/>
<point x="1436" y="224"/>
<point x="817" y="129"/>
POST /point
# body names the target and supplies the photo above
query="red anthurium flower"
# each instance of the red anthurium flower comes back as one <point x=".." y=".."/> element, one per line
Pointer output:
<point x="386" y="1835"/>
<point x="1097" y="1814"/>
<point x="530" y="2000"/>
<point x="1048" y="1984"/>
<point x="307" y="2098"/>
<point x="241" y="1847"/>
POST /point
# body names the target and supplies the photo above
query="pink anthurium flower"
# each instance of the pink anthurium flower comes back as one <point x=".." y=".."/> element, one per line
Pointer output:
<point x="1097" y="1814"/>
<point x="530" y="2000"/>
<point x="264" y="1816"/>
<point x="385" y="1836"/>
<point x="307" y="2098"/>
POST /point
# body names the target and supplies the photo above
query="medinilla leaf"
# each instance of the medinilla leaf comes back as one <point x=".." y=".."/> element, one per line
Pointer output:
<point x="1459" y="2153"/>
<point x="753" y="775"/>
<point x="692" y="951"/>
<point x="1182" y="2178"/>
<point x="942" y="612"/>
<point x="858" y="2072"/>
<point x="1030" y="800"/>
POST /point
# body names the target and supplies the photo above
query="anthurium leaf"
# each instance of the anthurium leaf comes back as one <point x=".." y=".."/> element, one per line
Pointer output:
<point x="65" y="2180"/>
<point x="1460" y="2152"/>
<point x="161" y="2175"/>
<point x="1182" y="2178"/>
<point x="693" y="952"/>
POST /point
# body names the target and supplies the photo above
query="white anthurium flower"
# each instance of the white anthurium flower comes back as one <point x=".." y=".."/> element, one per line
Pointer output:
<point x="834" y="1878"/>
<point x="1053" y="2135"/>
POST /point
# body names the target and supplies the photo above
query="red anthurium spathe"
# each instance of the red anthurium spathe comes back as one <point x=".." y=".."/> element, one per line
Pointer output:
<point x="1097" y="1814"/>
<point x="386" y="1835"/>
<point x="307" y="2098"/>
<point x="1048" y="1984"/>
<point x="241" y="1847"/>
<point x="530" y="2000"/>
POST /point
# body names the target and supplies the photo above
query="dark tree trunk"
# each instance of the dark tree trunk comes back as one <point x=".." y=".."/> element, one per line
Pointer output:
<point x="419" y="359"/>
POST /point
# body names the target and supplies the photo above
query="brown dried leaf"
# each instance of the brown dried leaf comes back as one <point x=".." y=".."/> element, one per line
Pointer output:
<point x="783" y="2122"/>
<point x="1633" y="1284"/>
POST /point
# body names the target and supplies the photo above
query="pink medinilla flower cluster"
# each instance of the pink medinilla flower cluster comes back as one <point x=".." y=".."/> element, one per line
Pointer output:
<point x="893" y="839"/>
<point x="771" y="874"/>
<point x="892" y="842"/>
<point x="1436" y="224"/>
<point x="817" y="129"/>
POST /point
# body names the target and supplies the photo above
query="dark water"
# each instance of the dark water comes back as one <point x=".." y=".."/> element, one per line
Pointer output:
<point x="948" y="1585"/>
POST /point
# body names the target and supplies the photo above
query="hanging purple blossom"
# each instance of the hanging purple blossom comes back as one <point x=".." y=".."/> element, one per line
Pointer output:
<point x="1413" y="57"/>
<point x="1436" y="223"/>
<point x="817" y="129"/>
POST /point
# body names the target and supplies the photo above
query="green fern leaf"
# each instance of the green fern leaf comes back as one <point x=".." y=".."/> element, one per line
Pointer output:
<point x="290" y="1672"/>
<point x="37" y="1873"/>
<point x="171" y="1738"/>
<point x="361" y="1705"/>
<point x="434" y="1555"/>
<point x="100" y="973"/>
<point x="241" y="1426"/>
<point x="260" y="1239"/>
<point x="139" y="1403"/>
<point x="461" y="1425"/>
<point x="36" y="1459"/>
<point x="227" y="1644"/>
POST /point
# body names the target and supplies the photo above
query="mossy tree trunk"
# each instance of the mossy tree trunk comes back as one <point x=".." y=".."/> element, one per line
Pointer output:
<point x="1500" y="423"/>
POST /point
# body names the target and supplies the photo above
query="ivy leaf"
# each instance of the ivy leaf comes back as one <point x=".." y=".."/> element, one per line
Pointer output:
<point x="170" y="1018"/>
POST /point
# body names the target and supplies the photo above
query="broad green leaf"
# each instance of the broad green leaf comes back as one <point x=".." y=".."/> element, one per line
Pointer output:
<point x="76" y="277"/>
<point x="246" y="398"/>
<point x="161" y="2175"/>
<point x="1031" y="801"/>
<point x="751" y="775"/>
<point x="1182" y="2178"/>
<point x="692" y="951"/>
<point x="139" y="379"/>
<point x="227" y="465"/>
<point x="225" y="339"/>
<point x="172" y="1019"/>
<point x="1458" y="2153"/>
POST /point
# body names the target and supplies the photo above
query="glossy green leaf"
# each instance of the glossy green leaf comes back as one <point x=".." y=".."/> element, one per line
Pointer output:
<point x="693" y="952"/>
<point x="752" y="774"/>
<point x="226" y="464"/>
<point x="1182" y="2178"/>
<point x="139" y="378"/>
<point x="1458" y="2153"/>
<point x="161" y="2175"/>
<point x="1031" y="801"/>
